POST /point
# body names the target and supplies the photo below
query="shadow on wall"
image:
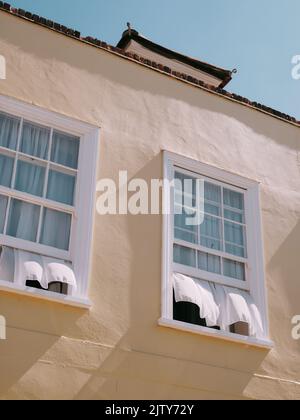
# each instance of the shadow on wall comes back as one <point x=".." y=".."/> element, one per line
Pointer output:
<point x="285" y="265"/>
<point x="40" y="326"/>
<point x="283" y="286"/>
<point x="147" y="361"/>
<point x="19" y="353"/>
<point x="150" y="362"/>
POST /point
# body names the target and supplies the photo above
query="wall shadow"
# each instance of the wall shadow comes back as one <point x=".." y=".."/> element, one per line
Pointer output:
<point x="33" y="328"/>
<point x="160" y="363"/>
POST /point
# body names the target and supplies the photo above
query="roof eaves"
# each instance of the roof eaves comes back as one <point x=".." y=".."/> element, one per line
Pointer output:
<point x="218" y="72"/>
<point x="49" y="24"/>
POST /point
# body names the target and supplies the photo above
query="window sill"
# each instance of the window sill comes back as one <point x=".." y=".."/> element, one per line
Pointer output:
<point x="45" y="295"/>
<point x="220" y="335"/>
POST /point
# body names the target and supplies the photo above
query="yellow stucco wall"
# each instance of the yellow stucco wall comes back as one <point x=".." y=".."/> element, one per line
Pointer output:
<point x="116" y="350"/>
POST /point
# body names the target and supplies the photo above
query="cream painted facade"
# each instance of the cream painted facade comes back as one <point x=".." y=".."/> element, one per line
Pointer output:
<point x="116" y="350"/>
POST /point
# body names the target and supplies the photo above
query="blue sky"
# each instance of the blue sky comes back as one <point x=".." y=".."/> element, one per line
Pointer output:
<point x="258" y="37"/>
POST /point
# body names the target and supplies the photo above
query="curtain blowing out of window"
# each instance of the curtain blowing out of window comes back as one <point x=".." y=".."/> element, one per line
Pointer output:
<point x="219" y="305"/>
<point x="19" y="267"/>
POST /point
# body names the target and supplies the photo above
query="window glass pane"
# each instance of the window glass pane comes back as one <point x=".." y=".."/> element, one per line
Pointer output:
<point x="9" y="128"/>
<point x="56" y="228"/>
<point x="185" y="235"/>
<point x="211" y="243"/>
<point x="184" y="217"/>
<point x="211" y="227"/>
<point x="234" y="269"/>
<point x="210" y="263"/>
<point x="30" y="178"/>
<point x="35" y="140"/>
<point x="233" y="199"/>
<point x="61" y="187"/>
<point x="183" y="227"/>
<point x="234" y="233"/>
<point x="3" y="206"/>
<point x="211" y="209"/>
<point x="235" y="250"/>
<point x="234" y="216"/>
<point x="212" y="192"/>
<point x="23" y="220"/>
<point x="6" y="170"/>
<point x="184" y="256"/>
<point x="185" y="190"/>
<point x="65" y="150"/>
<point x="211" y="233"/>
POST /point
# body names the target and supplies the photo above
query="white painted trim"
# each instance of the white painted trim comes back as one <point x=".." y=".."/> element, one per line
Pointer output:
<point x="34" y="247"/>
<point x="77" y="302"/>
<point x="220" y="335"/>
<point x="40" y="201"/>
<point x="85" y="205"/>
<point x="44" y="116"/>
<point x="209" y="171"/>
<point x="255" y="283"/>
<point x="82" y="224"/>
<point x="259" y="286"/>
<point x="167" y="243"/>
<point x="211" y="277"/>
<point x="202" y="248"/>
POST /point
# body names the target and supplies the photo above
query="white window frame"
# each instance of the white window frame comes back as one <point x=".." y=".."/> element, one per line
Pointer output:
<point x="255" y="276"/>
<point x="84" y="202"/>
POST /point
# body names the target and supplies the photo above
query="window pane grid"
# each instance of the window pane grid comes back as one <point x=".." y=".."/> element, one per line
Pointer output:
<point x="34" y="140"/>
<point x="33" y="203"/>
<point x="64" y="169"/>
<point x="217" y="230"/>
<point x="40" y="201"/>
<point x="231" y="243"/>
<point x="180" y="208"/>
<point x="196" y="247"/>
<point x="234" y="222"/>
<point x="221" y="218"/>
<point x="17" y="153"/>
<point x="40" y="225"/>
<point x="42" y="162"/>
<point x="227" y="207"/>
<point x="194" y="235"/>
<point x="48" y="164"/>
<point x="217" y="217"/>
<point x="9" y="128"/>
<point x="6" y="215"/>
<point x="179" y="203"/>
<point x="7" y="152"/>
<point x="36" y="161"/>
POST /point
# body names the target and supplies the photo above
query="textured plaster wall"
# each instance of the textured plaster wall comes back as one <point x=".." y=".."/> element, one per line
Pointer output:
<point x="116" y="350"/>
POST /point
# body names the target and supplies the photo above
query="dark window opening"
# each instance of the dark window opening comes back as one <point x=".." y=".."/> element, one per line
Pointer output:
<point x="55" y="287"/>
<point x="188" y="313"/>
